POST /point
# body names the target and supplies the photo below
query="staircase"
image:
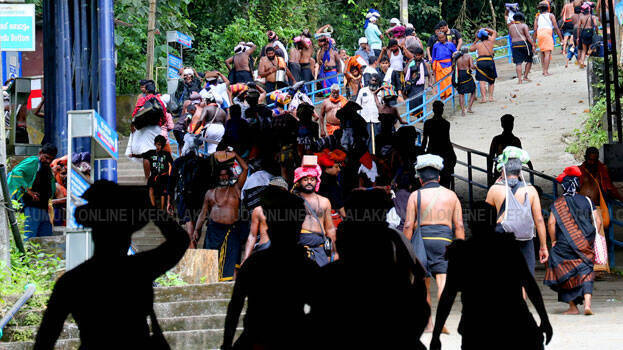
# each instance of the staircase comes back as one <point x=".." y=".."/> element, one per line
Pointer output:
<point x="191" y="317"/>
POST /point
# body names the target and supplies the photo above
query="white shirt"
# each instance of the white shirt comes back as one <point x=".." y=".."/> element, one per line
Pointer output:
<point x="369" y="111"/>
<point x="545" y="22"/>
<point x="396" y="61"/>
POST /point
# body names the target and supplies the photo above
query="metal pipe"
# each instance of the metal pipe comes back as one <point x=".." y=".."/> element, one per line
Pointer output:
<point x="29" y="291"/>
<point x="48" y="71"/>
<point x="94" y="42"/>
<point x="107" y="107"/>
<point x="606" y="71"/>
<point x="10" y="211"/>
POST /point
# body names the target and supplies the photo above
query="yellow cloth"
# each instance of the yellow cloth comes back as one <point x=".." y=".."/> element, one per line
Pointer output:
<point x="441" y="72"/>
<point x="545" y="39"/>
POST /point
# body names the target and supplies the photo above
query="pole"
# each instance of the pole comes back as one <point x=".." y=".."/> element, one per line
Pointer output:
<point x="107" y="92"/>
<point x="10" y="211"/>
<point x="615" y="70"/>
<point x="404" y="11"/>
<point x="151" y="28"/>
<point x="5" y="245"/>
<point x="606" y="71"/>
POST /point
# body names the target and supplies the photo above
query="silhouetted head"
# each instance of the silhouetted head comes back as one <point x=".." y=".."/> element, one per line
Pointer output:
<point x="47" y="153"/>
<point x="482" y="218"/>
<point x="438" y="108"/>
<point x="113" y="212"/>
<point x="150" y="87"/>
<point x="508" y="123"/>
<point x="235" y="112"/>
<point x="366" y="212"/>
<point x="285" y="214"/>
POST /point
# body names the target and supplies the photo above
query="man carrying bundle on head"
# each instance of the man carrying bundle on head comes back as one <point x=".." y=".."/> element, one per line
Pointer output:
<point x="485" y="65"/>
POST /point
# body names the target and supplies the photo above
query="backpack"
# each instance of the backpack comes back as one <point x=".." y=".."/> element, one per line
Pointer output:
<point x="521" y="223"/>
<point x="150" y="113"/>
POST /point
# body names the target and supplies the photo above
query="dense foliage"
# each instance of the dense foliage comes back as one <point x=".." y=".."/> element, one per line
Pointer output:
<point x="217" y="26"/>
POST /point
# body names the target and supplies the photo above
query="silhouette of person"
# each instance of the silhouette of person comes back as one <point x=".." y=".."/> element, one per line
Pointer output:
<point x="437" y="141"/>
<point x="500" y="302"/>
<point x="499" y="143"/>
<point x="377" y="297"/>
<point x="111" y="294"/>
<point x="276" y="282"/>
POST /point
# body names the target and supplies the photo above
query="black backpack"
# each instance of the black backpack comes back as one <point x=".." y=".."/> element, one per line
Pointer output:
<point x="150" y="114"/>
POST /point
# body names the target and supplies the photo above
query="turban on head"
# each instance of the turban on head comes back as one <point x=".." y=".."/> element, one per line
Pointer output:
<point x="325" y="161"/>
<point x="511" y="152"/>
<point x="238" y="88"/>
<point x="306" y="171"/>
<point x="188" y="71"/>
<point x="570" y="180"/>
<point x="429" y="161"/>
<point x="278" y="181"/>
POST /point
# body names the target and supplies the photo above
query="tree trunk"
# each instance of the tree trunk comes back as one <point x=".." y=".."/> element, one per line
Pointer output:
<point x="493" y="15"/>
<point x="151" y="28"/>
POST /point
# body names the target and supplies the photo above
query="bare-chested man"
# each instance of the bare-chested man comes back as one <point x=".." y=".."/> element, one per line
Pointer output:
<point x="587" y="25"/>
<point x="432" y="211"/>
<point x="318" y="224"/>
<point x="259" y="227"/>
<point x="521" y="45"/>
<point x="485" y="65"/>
<point x="306" y="60"/>
<point x="294" y="55"/>
<point x="329" y="122"/>
<point x="463" y="81"/>
<point x="510" y="164"/>
<point x="268" y="67"/>
<point x="240" y="60"/>
<point x="568" y="24"/>
<point x="329" y="62"/>
<point x="211" y="124"/>
<point x="222" y="204"/>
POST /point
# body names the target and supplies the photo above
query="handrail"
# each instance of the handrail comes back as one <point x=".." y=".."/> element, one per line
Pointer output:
<point x="29" y="291"/>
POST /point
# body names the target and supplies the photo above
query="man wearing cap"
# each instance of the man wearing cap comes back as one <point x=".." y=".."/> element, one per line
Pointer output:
<point x="241" y="62"/>
<point x="393" y="24"/>
<point x="221" y="206"/>
<point x="258" y="220"/>
<point x="372" y="32"/>
<point x="328" y="60"/>
<point x="432" y="211"/>
<point x="364" y="49"/>
<point x="452" y="35"/>
<point x="524" y="195"/>
<point x="329" y="122"/>
<point x="318" y="225"/>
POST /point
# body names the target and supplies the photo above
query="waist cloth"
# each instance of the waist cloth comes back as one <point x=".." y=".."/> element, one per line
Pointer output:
<point x="522" y="52"/>
<point x="242" y="76"/>
<point x="464" y="82"/>
<point x="545" y="39"/>
<point x="314" y="244"/>
<point x="226" y="239"/>
<point x="586" y="36"/>
<point x="436" y="238"/>
<point x="485" y="69"/>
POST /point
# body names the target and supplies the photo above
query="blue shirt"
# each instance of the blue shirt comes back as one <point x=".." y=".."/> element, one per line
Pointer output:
<point x="373" y="34"/>
<point x="442" y="52"/>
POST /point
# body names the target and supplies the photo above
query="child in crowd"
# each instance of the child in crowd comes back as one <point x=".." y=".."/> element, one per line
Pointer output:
<point x="157" y="165"/>
<point x="572" y="51"/>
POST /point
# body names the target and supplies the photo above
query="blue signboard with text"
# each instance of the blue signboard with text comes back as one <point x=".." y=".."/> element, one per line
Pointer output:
<point x="78" y="186"/>
<point x="17" y="27"/>
<point x="184" y="39"/>
<point x="105" y="136"/>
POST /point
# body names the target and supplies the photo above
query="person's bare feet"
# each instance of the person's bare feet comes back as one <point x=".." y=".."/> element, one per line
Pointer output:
<point x="470" y="111"/>
<point x="491" y="99"/>
<point x="445" y="330"/>
<point x="527" y="80"/>
<point x="482" y="101"/>
<point x="588" y="311"/>
<point x="573" y="310"/>
<point x="547" y="74"/>
<point x="463" y="113"/>
<point x="429" y="327"/>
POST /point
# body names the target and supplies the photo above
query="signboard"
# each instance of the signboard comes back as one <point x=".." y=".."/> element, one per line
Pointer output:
<point x="179" y="37"/>
<point x="78" y="185"/>
<point x="618" y="10"/>
<point x="17" y="27"/>
<point x="11" y="65"/>
<point x="105" y="136"/>
<point x="173" y="73"/>
<point x="175" y="61"/>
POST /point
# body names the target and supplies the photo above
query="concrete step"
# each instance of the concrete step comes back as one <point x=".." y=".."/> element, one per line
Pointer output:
<point x="191" y="308"/>
<point x="192" y="339"/>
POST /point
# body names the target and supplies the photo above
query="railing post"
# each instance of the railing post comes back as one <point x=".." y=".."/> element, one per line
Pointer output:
<point x="510" y="49"/>
<point x="424" y="104"/>
<point x="470" y="187"/>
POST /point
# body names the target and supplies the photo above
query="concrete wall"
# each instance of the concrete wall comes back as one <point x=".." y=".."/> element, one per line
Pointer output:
<point x="125" y="106"/>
